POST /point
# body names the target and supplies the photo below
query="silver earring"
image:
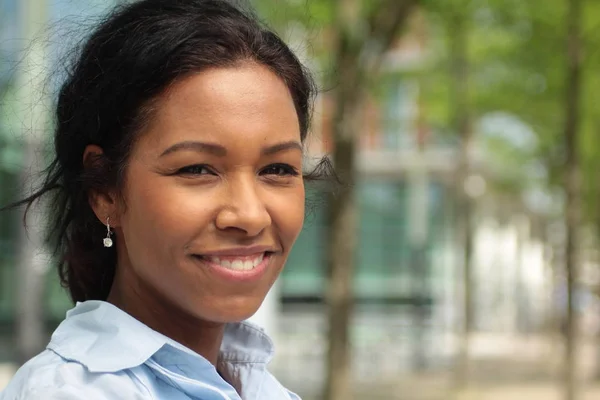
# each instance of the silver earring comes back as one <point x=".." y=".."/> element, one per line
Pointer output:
<point x="107" y="240"/>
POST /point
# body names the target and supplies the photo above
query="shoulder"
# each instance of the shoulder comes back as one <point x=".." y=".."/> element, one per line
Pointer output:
<point x="48" y="376"/>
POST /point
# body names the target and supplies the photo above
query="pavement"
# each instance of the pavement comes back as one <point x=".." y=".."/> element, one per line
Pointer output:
<point x="424" y="388"/>
<point x="528" y="392"/>
<point x="503" y="367"/>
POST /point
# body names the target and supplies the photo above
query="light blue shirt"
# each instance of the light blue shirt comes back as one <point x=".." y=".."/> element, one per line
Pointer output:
<point x="99" y="352"/>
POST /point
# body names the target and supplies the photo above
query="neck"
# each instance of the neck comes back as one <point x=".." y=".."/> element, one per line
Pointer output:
<point x="153" y="310"/>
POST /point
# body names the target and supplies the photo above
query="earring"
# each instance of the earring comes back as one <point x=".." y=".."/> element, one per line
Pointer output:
<point x="107" y="240"/>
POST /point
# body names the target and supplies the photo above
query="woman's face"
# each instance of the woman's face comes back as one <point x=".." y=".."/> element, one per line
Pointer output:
<point x="214" y="195"/>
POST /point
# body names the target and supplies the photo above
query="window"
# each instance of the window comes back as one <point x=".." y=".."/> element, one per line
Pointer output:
<point x="397" y="118"/>
<point x="385" y="263"/>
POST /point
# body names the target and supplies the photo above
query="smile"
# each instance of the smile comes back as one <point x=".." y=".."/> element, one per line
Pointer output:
<point x="238" y="263"/>
<point x="238" y="268"/>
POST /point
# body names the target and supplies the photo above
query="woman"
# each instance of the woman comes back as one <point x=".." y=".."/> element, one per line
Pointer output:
<point x="178" y="193"/>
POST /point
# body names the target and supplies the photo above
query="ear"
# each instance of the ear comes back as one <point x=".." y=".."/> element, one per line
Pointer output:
<point x="104" y="204"/>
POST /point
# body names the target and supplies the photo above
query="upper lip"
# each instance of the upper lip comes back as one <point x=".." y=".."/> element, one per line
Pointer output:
<point x="240" y="251"/>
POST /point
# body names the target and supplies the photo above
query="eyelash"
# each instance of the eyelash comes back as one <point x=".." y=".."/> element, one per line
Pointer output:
<point x="193" y="170"/>
<point x="287" y="170"/>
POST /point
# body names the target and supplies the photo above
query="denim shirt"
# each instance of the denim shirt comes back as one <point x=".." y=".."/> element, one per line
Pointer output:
<point x="99" y="352"/>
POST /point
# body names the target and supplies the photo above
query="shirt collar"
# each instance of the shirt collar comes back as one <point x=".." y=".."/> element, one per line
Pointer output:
<point x="104" y="338"/>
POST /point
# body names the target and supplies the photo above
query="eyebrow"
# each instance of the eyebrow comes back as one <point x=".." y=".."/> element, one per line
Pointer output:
<point x="210" y="148"/>
<point x="220" y="151"/>
<point x="279" y="147"/>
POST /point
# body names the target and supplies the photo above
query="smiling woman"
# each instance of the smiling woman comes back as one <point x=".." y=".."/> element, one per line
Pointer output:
<point x="177" y="194"/>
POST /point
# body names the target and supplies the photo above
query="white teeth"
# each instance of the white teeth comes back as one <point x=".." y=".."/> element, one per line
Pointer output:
<point x="257" y="260"/>
<point x="238" y="265"/>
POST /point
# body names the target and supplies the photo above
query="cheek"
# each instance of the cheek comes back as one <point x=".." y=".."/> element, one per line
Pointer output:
<point x="288" y="215"/>
<point x="163" y="216"/>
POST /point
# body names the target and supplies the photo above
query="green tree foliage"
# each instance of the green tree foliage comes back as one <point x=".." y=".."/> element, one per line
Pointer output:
<point x="518" y="68"/>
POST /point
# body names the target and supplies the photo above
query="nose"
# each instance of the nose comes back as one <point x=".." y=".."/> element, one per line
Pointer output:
<point x="243" y="208"/>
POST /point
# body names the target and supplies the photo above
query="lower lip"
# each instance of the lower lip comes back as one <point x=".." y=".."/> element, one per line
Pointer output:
<point x="250" y="275"/>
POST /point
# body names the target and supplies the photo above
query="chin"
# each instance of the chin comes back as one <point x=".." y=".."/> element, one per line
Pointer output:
<point x="235" y="313"/>
<point x="232" y="318"/>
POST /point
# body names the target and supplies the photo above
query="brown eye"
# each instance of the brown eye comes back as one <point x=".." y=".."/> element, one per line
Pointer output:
<point x="280" y="170"/>
<point x="197" y="169"/>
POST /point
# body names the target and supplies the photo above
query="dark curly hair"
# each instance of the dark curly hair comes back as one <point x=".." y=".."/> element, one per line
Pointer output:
<point x="110" y="94"/>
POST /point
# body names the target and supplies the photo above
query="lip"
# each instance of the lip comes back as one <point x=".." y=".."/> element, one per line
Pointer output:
<point x="240" y="251"/>
<point x="236" y="276"/>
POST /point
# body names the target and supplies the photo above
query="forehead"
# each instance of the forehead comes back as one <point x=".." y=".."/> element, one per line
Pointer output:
<point x="247" y="102"/>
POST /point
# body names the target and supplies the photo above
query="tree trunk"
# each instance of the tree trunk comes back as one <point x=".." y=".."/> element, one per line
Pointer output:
<point x="572" y="190"/>
<point x="596" y="288"/>
<point x="462" y="124"/>
<point x="597" y="336"/>
<point x="342" y="238"/>
<point x="342" y="209"/>
<point x="358" y="57"/>
<point x="465" y="217"/>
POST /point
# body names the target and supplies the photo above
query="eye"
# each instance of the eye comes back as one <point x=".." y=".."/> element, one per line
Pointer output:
<point x="197" y="169"/>
<point x="279" y="170"/>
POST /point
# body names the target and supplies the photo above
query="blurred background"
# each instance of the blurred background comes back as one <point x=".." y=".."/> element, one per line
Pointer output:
<point x="460" y="261"/>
